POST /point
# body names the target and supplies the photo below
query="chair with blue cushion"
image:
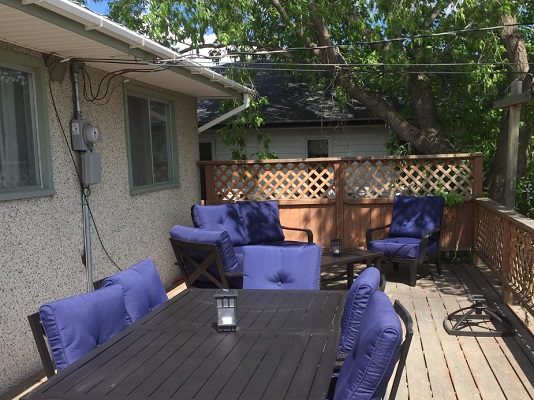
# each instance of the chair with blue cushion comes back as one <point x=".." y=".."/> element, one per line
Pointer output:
<point x="76" y="325"/>
<point x="363" y="287"/>
<point x="206" y="257"/>
<point x="414" y="233"/>
<point x="141" y="287"/>
<point x="290" y="266"/>
<point x="379" y="346"/>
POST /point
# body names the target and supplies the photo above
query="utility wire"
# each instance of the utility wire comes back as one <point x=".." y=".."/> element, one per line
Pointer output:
<point x="78" y="174"/>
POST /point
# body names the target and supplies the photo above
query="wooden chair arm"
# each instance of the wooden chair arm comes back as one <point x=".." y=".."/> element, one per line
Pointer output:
<point x="369" y="233"/>
<point x="308" y="232"/>
<point x="424" y="241"/>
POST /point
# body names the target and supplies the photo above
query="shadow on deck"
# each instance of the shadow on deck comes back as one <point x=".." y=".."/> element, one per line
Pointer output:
<point x="441" y="366"/>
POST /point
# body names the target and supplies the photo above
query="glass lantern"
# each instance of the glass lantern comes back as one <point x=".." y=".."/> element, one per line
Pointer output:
<point x="226" y="310"/>
<point x="335" y="245"/>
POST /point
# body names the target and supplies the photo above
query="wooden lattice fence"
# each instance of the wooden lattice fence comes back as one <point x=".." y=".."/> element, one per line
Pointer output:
<point x="504" y="240"/>
<point x="342" y="197"/>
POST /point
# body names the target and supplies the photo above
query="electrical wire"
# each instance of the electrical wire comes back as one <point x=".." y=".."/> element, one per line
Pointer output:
<point x="78" y="174"/>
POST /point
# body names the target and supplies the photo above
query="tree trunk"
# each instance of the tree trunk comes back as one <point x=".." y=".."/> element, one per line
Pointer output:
<point x="514" y="42"/>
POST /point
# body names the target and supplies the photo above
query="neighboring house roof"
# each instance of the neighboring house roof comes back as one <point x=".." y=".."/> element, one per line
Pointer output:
<point x="72" y="31"/>
<point x="292" y="101"/>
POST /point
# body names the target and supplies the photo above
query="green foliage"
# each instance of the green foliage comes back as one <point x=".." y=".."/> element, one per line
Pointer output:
<point x="397" y="147"/>
<point x="452" y="199"/>
<point x="525" y="192"/>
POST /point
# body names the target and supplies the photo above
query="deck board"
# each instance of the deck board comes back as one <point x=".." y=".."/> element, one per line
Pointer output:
<point x="441" y="366"/>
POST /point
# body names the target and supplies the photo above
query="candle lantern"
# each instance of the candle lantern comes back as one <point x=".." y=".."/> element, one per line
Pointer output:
<point x="226" y="310"/>
<point x="335" y="245"/>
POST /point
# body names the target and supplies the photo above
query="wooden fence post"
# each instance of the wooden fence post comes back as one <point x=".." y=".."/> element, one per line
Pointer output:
<point x="478" y="176"/>
<point x="506" y="266"/>
<point x="209" y="180"/>
<point x="339" y="178"/>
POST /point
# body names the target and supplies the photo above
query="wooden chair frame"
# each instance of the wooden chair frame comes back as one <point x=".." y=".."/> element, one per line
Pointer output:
<point x="181" y="247"/>
<point x="406" y="318"/>
<point x="42" y="347"/>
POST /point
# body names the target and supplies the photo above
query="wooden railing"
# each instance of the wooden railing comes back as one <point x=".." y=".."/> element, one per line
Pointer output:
<point x="504" y="240"/>
<point x="343" y="197"/>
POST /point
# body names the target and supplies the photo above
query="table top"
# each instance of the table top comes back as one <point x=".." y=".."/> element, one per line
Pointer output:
<point x="349" y="256"/>
<point x="285" y="347"/>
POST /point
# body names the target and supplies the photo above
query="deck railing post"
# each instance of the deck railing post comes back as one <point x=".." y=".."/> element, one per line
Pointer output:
<point x="339" y="178"/>
<point x="478" y="175"/>
<point x="506" y="267"/>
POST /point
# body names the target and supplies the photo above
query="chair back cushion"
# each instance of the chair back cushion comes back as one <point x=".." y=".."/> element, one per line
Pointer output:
<point x="366" y="371"/>
<point x="355" y="305"/>
<point x="286" y="265"/>
<point x="261" y="220"/>
<point x="414" y="216"/>
<point x="221" y="217"/>
<point x="76" y="325"/>
<point x="142" y="288"/>
<point x="219" y="238"/>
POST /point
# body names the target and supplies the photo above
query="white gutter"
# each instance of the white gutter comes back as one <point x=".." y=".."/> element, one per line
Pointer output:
<point x="97" y="22"/>
<point x="224" y="117"/>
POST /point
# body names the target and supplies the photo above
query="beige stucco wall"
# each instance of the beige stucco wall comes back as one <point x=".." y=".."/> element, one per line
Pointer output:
<point x="41" y="241"/>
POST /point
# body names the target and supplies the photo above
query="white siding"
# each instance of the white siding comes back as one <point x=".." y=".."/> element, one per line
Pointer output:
<point x="291" y="142"/>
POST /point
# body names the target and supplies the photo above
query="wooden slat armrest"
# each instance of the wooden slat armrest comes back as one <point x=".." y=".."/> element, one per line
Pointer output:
<point x="308" y="232"/>
<point x="369" y="233"/>
<point x="233" y="274"/>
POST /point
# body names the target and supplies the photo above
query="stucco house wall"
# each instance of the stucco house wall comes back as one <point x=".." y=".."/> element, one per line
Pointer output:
<point x="41" y="243"/>
<point x="291" y="142"/>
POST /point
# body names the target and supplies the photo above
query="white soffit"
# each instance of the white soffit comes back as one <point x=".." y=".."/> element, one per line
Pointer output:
<point x="82" y="34"/>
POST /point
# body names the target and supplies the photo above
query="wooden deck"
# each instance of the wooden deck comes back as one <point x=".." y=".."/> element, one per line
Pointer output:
<point x="441" y="366"/>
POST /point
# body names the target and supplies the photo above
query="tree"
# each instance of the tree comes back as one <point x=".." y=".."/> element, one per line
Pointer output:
<point x="428" y="68"/>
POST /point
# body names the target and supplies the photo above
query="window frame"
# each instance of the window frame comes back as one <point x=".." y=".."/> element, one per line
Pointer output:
<point x="148" y="94"/>
<point x="40" y="111"/>
<point x="328" y="142"/>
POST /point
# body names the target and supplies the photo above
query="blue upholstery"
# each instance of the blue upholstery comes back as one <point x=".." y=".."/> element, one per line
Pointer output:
<point x="366" y="371"/>
<point x="221" y="217"/>
<point x="295" y="266"/>
<point x="401" y="247"/>
<point x="220" y="238"/>
<point x="261" y="221"/>
<point x="142" y="288"/>
<point x="415" y="216"/>
<point x="76" y="325"/>
<point x="355" y="305"/>
<point x="246" y="222"/>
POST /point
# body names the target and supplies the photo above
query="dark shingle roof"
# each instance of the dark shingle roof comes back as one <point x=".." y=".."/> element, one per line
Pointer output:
<point x="292" y="101"/>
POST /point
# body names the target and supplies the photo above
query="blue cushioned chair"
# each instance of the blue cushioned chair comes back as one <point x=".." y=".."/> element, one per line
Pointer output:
<point x="356" y="303"/>
<point x="76" y="325"/>
<point x="414" y="233"/>
<point x="290" y="266"/>
<point x="206" y="257"/>
<point x="367" y="369"/>
<point x="141" y="287"/>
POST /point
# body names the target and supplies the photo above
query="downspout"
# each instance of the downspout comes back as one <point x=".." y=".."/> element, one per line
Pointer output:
<point x="225" y="116"/>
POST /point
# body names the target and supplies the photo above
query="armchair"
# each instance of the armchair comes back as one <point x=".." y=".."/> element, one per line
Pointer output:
<point x="414" y="233"/>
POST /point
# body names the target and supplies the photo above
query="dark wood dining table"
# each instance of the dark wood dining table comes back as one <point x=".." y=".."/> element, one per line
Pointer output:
<point x="285" y="348"/>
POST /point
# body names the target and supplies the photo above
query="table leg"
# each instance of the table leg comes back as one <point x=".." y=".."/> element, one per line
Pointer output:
<point x="350" y="274"/>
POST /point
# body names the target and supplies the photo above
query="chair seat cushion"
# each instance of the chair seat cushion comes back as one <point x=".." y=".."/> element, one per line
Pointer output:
<point x="76" y="325"/>
<point x="142" y="288"/>
<point x="355" y="305"/>
<point x="284" y="266"/>
<point x="221" y="217"/>
<point x="401" y="247"/>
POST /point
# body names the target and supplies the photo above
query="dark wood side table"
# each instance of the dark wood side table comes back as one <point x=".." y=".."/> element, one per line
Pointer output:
<point x="349" y="257"/>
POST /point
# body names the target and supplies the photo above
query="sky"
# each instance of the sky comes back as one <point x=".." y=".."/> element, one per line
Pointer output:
<point x="101" y="7"/>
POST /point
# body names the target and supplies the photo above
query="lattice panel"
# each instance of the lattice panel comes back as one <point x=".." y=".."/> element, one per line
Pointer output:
<point x="521" y="278"/>
<point x="489" y="232"/>
<point x="374" y="179"/>
<point x="277" y="181"/>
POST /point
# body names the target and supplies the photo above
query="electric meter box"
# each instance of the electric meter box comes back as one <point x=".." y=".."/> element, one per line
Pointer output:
<point x="91" y="168"/>
<point x="76" y="134"/>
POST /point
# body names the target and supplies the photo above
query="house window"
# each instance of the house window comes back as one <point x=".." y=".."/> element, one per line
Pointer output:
<point x="24" y="150"/>
<point x="317" y="148"/>
<point x="152" y="165"/>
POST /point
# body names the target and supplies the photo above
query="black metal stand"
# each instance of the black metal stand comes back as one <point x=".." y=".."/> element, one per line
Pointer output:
<point x="460" y="321"/>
